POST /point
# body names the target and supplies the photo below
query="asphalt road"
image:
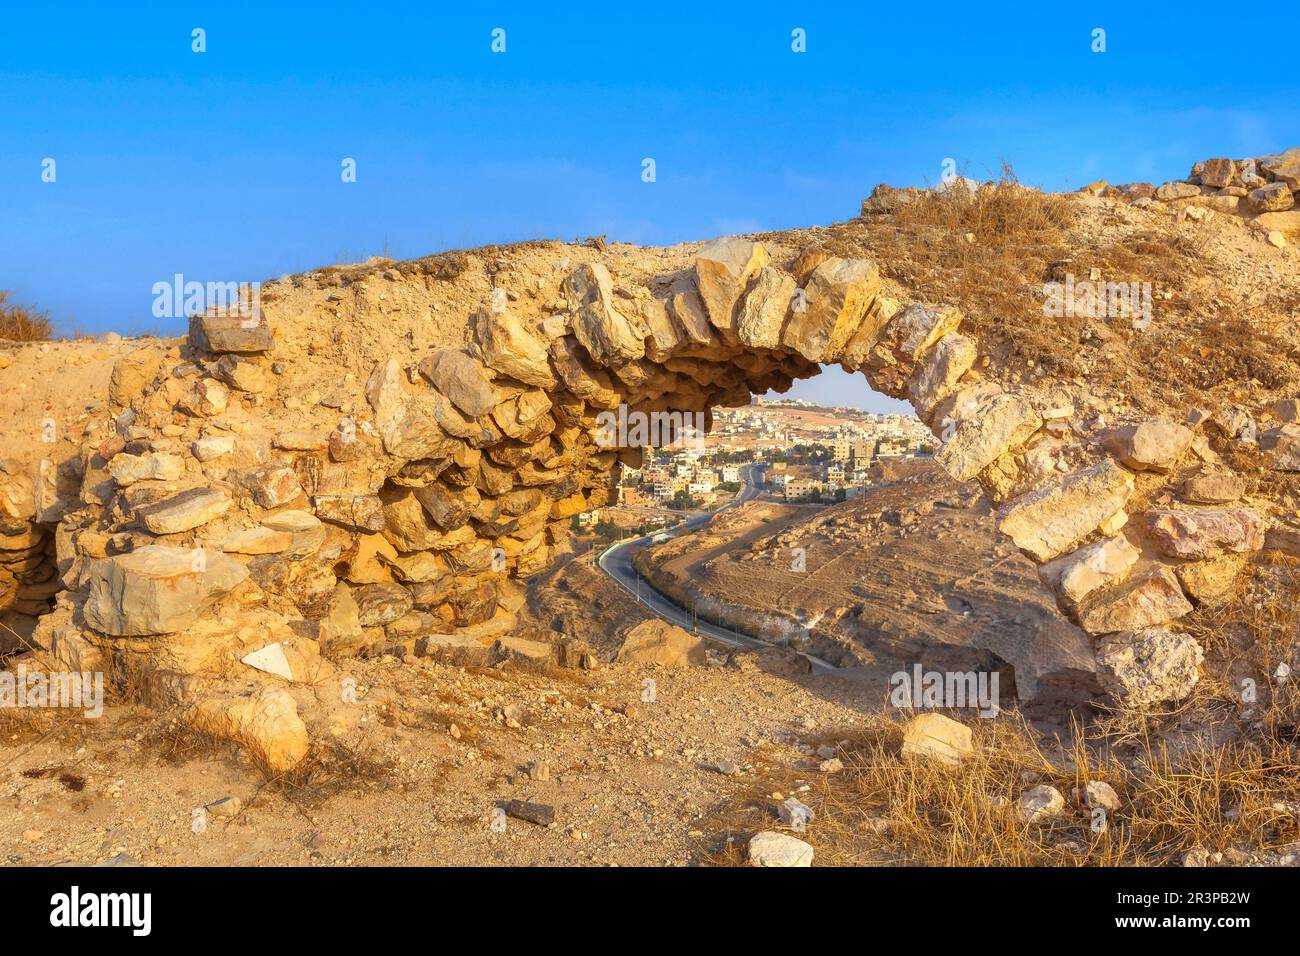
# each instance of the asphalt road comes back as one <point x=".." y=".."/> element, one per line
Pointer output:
<point x="616" y="561"/>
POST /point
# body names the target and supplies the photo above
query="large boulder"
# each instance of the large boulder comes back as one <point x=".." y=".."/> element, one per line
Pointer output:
<point x="1283" y="168"/>
<point x="606" y="334"/>
<point x="1146" y="599"/>
<point x="1275" y="197"/>
<point x="231" y="333"/>
<point x="1203" y="533"/>
<point x="154" y="466"/>
<point x="1049" y="520"/>
<point x="1149" y="446"/>
<point x="762" y="316"/>
<point x="770" y="848"/>
<point x="1149" y="666"/>
<point x="936" y="737"/>
<point x="185" y="511"/>
<point x="1213" y="488"/>
<point x="723" y="268"/>
<point x="944" y="366"/>
<point x="835" y="300"/>
<point x="408" y="428"/>
<point x="1283" y="447"/>
<point x="513" y="349"/>
<point x="1072" y="577"/>
<point x="266" y="724"/>
<point x="996" y="427"/>
<point x="658" y="642"/>
<point x="156" y="589"/>
<point x="463" y="379"/>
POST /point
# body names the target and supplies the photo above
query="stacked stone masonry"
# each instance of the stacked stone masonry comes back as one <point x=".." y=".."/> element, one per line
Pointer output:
<point x="203" y="536"/>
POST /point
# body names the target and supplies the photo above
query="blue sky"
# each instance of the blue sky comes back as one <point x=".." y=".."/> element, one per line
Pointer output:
<point x="225" y="165"/>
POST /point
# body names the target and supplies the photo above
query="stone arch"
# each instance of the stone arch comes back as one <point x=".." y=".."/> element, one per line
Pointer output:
<point x="447" y="461"/>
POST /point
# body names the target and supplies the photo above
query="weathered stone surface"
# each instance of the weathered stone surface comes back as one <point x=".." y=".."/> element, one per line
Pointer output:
<point x="1039" y="803"/>
<point x="902" y="342"/>
<point x="207" y="399"/>
<point x="994" y="428"/>
<point x="663" y="335"/>
<point x="1219" y="173"/>
<point x="522" y="650"/>
<point x="407" y="427"/>
<point x="1284" y="538"/>
<point x="943" y="368"/>
<point x="1283" y="168"/>
<point x="1275" y="197"/>
<point x="763" y="312"/>
<point x="1146" y="599"/>
<point x="464" y="380"/>
<point x="1072" y="577"/>
<point x="658" y="642"/>
<point x="1177" y="190"/>
<point x="606" y="334"/>
<point x="510" y="347"/>
<point x="256" y="541"/>
<point x="1151" y="666"/>
<point x="230" y="333"/>
<point x="770" y="848"/>
<point x="155" y="466"/>
<point x="1211" y="583"/>
<point x="266" y="724"/>
<point x="362" y="512"/>
<point x="131" y="374"/>
<point x="835" y="299"/>
<point x="213" y="446"/>
<point x="380" y="604"/>
<point x="157" y="589"/>
<point x="1149" y="446"/>
<point x="449" y="508"/>
<point x="723" y="268"/>
<point x="185" y="511"/>
<point x="580" y="376"/>
<point x="1282" y="445"/>
<point x="1288" y="409"/>
<point x="1284" y="222"/>
<point x="408" y="527"/>
<point x="240" y="374"/>
<point x="273" y="487"/>
<point x="305" y="531"/>
<point x="1205" y="532"/>
<point x="1097" y="794"/>
<point x="686" y="306"/>
<point x="1213" y="488"/>
<point x="525" y="416"/>
<point x="457" y="650"/>
<point x="300" y="441"/>
<point x="1049" y="520"/>
<point x="936" y="737"/>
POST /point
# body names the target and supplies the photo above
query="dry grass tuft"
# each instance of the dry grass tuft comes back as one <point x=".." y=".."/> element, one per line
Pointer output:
<point x="884" y="809"/>
<point x="20" y="324"/>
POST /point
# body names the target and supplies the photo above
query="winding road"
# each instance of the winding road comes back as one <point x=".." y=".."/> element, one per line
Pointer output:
<point x="616" y="561"/>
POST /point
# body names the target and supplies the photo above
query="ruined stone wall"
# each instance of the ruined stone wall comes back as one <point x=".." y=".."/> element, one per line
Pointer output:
<point x="376" y="460"/>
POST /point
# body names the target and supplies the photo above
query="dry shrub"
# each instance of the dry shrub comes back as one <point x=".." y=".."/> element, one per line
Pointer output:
<point x="884" y="809"/>
<point x="20" y="324"/>
<point x="989" y="250"/>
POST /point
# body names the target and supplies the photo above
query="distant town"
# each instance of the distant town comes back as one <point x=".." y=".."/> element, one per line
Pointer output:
<point x="804" y="452"/>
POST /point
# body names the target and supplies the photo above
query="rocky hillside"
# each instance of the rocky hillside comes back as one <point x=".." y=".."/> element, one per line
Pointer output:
<point x="911" y="571"/>
<point x="376" y="459"/>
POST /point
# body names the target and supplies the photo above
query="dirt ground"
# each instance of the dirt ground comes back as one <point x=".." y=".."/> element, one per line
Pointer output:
<point x="632" y="782"/>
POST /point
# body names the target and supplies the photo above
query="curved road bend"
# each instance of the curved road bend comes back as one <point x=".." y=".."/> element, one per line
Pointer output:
<point x="616" y="561"/>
